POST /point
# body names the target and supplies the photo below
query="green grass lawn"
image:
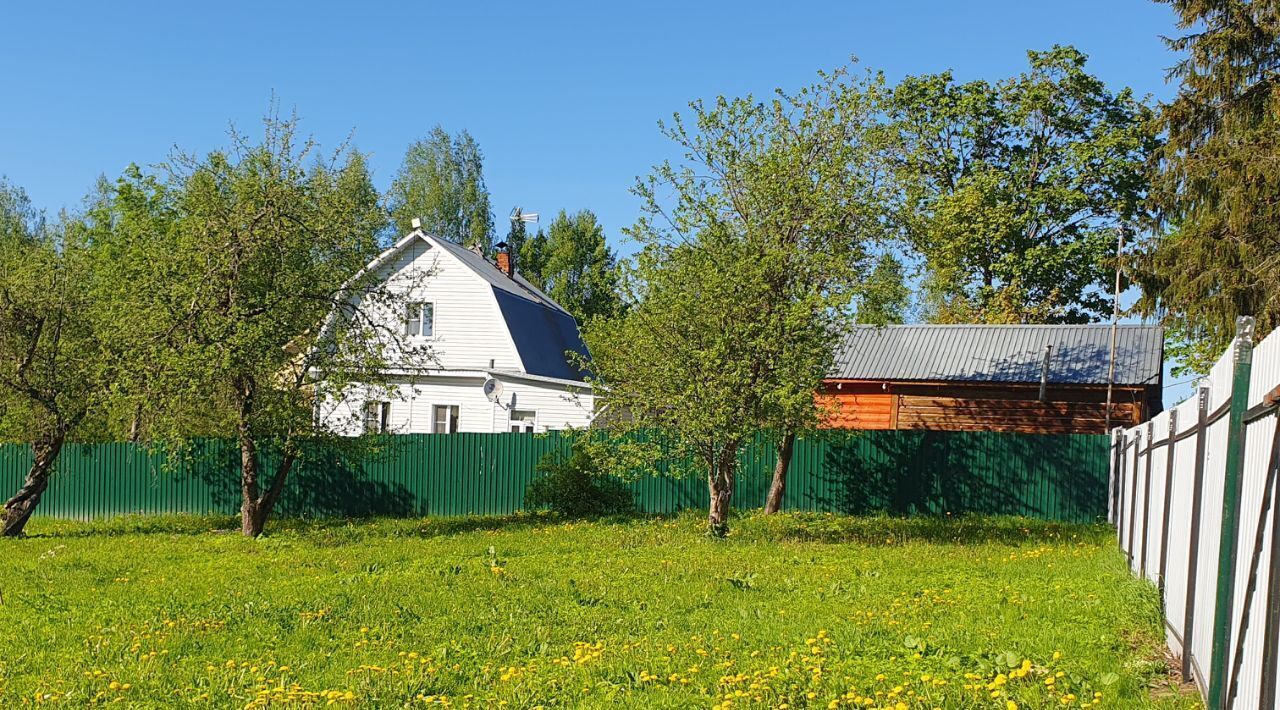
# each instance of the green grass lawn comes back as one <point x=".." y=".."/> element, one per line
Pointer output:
<point x="791" y="611"/>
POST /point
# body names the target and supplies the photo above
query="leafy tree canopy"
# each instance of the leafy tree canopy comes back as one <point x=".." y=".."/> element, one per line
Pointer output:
<point x="236" y="289"/>
<point x="884" y="297"/>
<point x="571" y="262"/>
<point x="1012" y="192"/>
<point x="441" y="182"/>
<point x="52" y="368"/>
<point x="578" y="269"/>
<point x="743" y="274"/>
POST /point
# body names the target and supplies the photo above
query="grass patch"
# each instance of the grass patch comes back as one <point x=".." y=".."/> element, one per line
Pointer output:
<point x="796" y="610"/>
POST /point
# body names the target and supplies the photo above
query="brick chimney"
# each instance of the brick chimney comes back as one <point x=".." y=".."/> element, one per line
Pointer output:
<point x="506" y="261"/>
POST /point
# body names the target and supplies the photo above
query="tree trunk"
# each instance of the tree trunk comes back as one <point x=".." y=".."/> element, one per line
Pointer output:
<point x="256" y="507"/>
<point x="18" y="509"/>
<point x="135" y="426"/>
<point x="720" y="480"/>
<point x="251" y="518"/>
<point x="779" y="486"/>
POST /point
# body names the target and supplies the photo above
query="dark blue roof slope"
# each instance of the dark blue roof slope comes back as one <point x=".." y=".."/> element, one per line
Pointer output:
<point x="1001" y="353"/>
<point x="543" y="336"/>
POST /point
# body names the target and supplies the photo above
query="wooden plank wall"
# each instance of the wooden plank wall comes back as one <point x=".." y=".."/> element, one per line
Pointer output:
<point x="961" y="407"/>
<point x="859" y="411"/>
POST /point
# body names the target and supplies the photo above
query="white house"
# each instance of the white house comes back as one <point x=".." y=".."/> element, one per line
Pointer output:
<point x="498" y="350"/>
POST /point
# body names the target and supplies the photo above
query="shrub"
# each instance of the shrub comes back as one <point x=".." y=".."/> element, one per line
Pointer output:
<point x="575" y="486"/>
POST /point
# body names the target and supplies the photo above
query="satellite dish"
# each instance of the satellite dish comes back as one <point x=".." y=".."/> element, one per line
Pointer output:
<point x="492" y="389"/>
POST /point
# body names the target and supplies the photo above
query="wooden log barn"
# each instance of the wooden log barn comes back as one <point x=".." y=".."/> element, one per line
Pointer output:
<point x="1048" y="379"/>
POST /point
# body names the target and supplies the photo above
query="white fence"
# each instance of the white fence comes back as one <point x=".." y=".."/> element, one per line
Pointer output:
<point x="1193" y="499"/>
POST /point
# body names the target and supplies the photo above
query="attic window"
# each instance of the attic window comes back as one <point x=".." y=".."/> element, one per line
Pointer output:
<point x="419" y="319"/>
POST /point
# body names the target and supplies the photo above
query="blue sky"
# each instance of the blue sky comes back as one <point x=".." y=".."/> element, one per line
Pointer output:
<point x="562" y="97"/>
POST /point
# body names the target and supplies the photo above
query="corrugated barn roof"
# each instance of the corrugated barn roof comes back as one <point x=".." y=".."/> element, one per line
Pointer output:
<point x="1000" y="353"/>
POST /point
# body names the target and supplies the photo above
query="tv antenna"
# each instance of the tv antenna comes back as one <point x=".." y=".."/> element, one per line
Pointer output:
<point x="518" y="215"/>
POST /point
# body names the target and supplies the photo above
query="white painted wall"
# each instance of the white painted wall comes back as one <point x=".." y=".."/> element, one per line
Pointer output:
<point x="412" y="401"/>
<point x="469" y="330"/>
<point x="557" y="406"/>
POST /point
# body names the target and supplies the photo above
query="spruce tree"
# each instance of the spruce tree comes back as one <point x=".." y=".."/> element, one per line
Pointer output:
<point x="1217" y="179"/>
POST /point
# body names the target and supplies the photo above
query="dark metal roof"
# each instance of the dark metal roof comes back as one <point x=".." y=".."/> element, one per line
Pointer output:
<point x="544" y="336"/>
<point x="1000" y="353"/>
<point x="544" y="333"/>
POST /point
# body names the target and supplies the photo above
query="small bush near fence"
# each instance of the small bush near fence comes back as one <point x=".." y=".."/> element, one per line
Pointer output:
<point x="574" y="486"/>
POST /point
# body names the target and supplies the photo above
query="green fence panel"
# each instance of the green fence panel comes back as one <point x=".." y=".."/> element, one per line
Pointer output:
<point x="1057" y="477"/>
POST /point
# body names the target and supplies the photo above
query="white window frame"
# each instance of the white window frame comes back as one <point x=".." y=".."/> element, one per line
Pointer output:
<point x="383" y="419"/>
<point x="434" y="405"/>
<point x="422" y="307"/>
<point x="512" y="421"/>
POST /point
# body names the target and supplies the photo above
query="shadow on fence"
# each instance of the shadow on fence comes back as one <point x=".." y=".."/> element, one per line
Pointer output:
<point x="1056" y="477"/>
<point x="330" y="484"/>
<point x="940" y="473"/>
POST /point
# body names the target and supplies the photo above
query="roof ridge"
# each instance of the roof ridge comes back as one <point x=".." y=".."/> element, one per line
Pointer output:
<point x="1005" y="325"/>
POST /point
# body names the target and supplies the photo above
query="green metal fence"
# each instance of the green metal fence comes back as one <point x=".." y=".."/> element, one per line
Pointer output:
<point x="1059" y="477"/>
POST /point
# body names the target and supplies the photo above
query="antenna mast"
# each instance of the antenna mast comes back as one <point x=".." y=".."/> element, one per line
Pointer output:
<point x="1115" y="319"/>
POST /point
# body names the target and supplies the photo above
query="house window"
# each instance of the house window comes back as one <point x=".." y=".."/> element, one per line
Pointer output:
<point x="376" y="415"/>
<point x="444" y="419"/>
<point x="522" y="421"/>
<point x="419" y="319"/>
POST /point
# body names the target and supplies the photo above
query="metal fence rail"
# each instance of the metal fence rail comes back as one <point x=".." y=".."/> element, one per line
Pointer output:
<point x="1057" y="477"/>
<point x="1193" y="497"/>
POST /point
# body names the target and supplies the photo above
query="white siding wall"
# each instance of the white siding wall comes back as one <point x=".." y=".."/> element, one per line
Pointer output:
<point x="340" y="417"/>
<point x="468" y="328"/>
<point x="475" y="412"/>
<point x="344" y="414"/>
<point x="557" y="406"/>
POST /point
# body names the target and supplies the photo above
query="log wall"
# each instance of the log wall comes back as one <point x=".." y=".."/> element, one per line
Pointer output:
<point x="979" y="407"/>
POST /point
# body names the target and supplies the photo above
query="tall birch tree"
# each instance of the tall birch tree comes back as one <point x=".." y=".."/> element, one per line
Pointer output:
<point x="441" y="182"/>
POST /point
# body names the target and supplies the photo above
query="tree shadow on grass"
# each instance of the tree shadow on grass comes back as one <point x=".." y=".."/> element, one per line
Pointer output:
<point x="181" y="524"/>
<point x="332" y="529"/>
<point x="403" y="527"/>
<point x="888" y="530"/>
